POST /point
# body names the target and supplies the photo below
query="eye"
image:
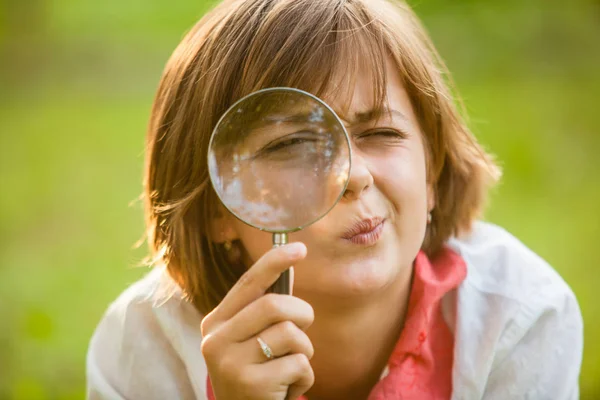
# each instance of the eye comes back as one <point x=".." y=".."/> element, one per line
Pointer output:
<point x="382" y="134"/>
<point x="295" y="145"/>
<point x="289" y="141"/>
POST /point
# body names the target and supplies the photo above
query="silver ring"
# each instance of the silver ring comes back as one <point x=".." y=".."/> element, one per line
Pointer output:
<point x="265" y="348"/>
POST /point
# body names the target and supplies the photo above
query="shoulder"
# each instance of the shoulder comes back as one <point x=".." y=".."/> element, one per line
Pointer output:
<point x="512" y="311"/>
<point x="147" y="334"/>
<point x="148" y="309"/>
<point x="499" y="264"/>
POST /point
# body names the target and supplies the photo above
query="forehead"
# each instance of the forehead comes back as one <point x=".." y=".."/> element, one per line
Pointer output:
<point x="373" y="94"/>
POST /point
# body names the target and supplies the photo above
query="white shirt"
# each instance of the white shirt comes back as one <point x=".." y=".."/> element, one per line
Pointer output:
<point x="517" y="326"/>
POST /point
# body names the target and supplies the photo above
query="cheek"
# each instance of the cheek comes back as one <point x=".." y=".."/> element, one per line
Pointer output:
<point x="255" y="242"/>
<point x="403" y="180"/>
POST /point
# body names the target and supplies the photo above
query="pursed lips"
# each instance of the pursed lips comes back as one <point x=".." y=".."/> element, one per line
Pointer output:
<point x="365" y="232"/>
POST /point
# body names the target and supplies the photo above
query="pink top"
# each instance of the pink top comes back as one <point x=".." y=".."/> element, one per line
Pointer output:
<point x="420" y="367"/>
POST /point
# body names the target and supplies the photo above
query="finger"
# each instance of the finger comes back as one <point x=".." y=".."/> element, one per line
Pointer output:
<point x="283" y="338"/>
<point x="291" y="280"/>
<point x="266" y="311"/>
<point x="293" y="370"/>
<point x="257" y="280"/>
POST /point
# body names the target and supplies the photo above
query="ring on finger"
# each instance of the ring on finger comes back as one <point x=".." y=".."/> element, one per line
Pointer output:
<point x="265" y="348"/>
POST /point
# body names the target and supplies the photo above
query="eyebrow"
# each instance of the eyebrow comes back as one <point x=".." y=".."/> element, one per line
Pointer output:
<point x="292" y="118"/>
<point x="359" y="117"/>
<point x="371" y="115"/>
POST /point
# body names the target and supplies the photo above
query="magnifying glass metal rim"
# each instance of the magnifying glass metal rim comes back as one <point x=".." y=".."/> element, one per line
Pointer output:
<point x="289" y="89"/>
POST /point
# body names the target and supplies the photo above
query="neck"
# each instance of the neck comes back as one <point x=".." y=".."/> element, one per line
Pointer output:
<point x="354" y="338"/>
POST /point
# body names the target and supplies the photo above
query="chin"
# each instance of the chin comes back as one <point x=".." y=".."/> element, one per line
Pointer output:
<point x="350" y="280"/>
<point x="367" y="278"/>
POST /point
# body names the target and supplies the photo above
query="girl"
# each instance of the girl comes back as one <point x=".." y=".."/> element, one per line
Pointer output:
<point x="398" y="293"/>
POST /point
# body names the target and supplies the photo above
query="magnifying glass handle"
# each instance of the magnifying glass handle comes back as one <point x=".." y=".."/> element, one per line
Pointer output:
<point x="283" y="284"/>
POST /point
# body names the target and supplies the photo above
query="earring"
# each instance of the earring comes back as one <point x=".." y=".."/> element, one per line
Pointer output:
<point x="429" y="218"/>
<point x="227" y="245"/>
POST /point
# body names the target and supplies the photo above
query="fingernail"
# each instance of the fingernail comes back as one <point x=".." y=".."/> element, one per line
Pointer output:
<point x="295" y="249"/>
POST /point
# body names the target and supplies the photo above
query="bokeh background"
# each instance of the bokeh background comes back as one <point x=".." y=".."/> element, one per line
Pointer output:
<point x="77" y="78"/>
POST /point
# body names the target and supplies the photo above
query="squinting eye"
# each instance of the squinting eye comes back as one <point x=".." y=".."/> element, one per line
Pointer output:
<point x="287" y="144"/>
<point x="298" y="144"/>
<point x="383" y="134"/>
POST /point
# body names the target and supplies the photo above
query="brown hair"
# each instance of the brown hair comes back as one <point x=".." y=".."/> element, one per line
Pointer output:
<point x="245" y="45"/>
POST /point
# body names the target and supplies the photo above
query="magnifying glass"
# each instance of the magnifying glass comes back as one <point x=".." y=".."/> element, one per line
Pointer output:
<point x="279" y="159"/>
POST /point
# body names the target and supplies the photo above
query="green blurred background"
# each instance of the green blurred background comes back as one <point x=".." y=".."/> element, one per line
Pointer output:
<point x="77" y="78"/>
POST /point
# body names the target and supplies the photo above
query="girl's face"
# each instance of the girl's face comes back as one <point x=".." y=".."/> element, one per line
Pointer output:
<point x="371" y="237"/>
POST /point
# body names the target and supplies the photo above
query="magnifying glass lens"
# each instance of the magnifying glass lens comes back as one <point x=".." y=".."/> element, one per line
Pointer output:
<point x="279" y="159"/>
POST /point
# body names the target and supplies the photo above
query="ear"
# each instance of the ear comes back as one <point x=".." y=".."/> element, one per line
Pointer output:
<point x="222" y="227"/>
<point x="430" y="197"/>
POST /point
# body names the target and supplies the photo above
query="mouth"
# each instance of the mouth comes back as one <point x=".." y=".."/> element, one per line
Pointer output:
<point x="366" y="232"/>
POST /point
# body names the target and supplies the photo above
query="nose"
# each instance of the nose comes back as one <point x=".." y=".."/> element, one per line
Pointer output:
<point x="360" y="178"/>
